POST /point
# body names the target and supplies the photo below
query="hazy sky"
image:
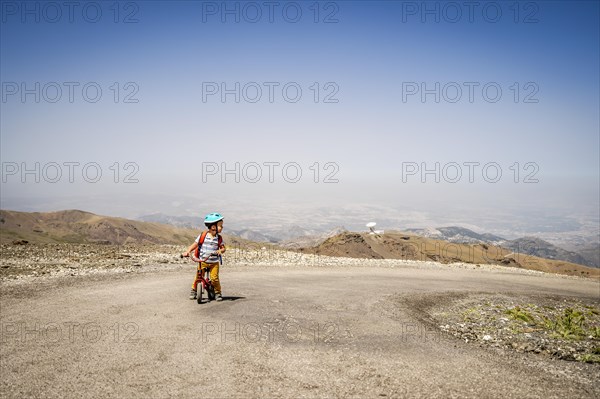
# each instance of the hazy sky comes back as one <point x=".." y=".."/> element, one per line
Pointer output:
<point x="358" y="97"/>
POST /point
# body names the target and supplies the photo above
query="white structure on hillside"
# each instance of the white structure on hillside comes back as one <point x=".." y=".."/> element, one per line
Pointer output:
<point x="371" y="226"/>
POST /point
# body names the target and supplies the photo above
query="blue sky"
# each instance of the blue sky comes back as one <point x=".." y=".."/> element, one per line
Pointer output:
<point x="549" y="51"/>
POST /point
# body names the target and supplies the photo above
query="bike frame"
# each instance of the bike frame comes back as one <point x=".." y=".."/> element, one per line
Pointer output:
<point x="204" y="278"/>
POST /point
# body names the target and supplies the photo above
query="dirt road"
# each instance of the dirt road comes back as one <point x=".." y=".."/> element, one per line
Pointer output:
<point x="280" y="332"/>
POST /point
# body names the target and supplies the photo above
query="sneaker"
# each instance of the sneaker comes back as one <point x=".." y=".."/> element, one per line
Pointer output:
<point x="193" y="294"/>
<point x="219" y="297"/>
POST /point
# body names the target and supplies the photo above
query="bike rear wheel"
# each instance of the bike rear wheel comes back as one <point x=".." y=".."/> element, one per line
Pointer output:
<point x="210" y="290"/>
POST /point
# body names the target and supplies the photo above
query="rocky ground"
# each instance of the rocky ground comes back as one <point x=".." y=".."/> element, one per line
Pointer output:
<point x="559" y="327"/>
<point x="22" y="262"/>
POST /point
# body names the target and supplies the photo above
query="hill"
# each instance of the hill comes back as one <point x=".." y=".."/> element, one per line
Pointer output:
<point x="543" y="249"/>
<point x="398" y="245"/>
<point x="74" y="226"/>
<point x="525" y="245"/>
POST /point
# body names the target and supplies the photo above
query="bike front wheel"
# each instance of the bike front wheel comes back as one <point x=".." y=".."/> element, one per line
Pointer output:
<point x="199" y="292"/>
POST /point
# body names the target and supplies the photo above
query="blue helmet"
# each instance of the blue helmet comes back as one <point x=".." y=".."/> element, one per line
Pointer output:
<point x="213" y="218"/>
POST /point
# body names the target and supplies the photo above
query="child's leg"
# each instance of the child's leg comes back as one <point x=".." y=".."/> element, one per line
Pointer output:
<point x="195" y="283"/>
<point x="214" y="277"/>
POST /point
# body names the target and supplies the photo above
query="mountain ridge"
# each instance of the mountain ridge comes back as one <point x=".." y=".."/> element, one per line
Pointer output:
<point x="295" y="237"/>
<point x="76" y="226"/>
<point x="529" y="245"/>
<point x="81" y="227"/>
<point x="408" y="246"/>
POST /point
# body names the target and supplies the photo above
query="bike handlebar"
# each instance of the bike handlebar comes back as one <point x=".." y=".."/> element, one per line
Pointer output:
<point x="181" y="256"/>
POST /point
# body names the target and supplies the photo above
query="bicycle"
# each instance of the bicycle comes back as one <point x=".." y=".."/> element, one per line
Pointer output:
<point x="204" y="283"/>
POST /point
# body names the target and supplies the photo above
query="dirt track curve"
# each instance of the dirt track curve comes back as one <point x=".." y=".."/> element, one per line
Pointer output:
<point x="280" y="332"/>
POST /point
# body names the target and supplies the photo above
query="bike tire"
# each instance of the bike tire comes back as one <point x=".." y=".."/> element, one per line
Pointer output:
<point x="211" y="292"/>
<point x="199" y="292"/>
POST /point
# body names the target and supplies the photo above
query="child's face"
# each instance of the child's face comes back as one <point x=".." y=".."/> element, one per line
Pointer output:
<point x="219" y="226"/>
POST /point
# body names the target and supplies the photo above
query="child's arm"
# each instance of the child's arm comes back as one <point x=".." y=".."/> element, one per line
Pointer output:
<point x="190" y="249"/>
<point x="221" y="250"/>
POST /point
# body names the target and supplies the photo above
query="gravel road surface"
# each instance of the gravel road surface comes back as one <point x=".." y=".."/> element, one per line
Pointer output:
<point x="280" y="332"/>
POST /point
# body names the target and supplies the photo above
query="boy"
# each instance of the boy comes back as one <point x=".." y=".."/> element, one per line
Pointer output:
<point x="213" y="245"/>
